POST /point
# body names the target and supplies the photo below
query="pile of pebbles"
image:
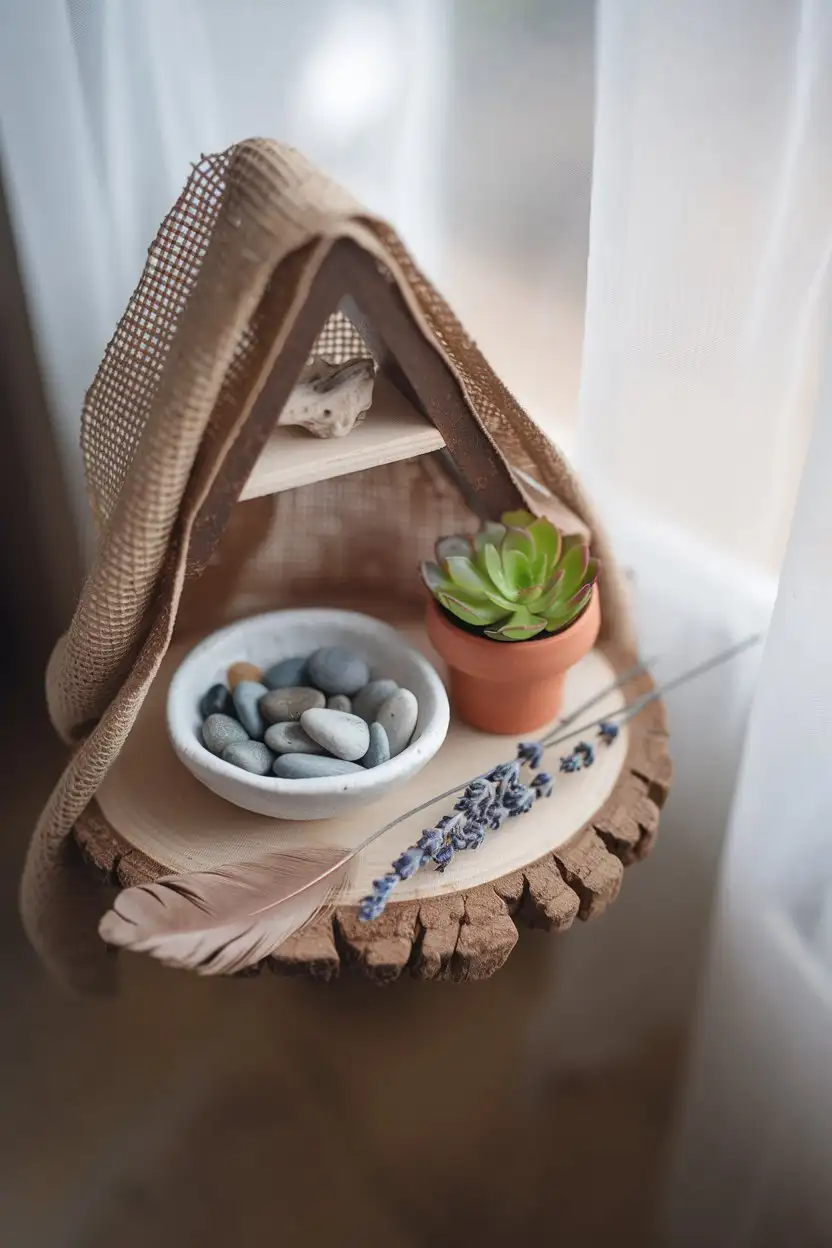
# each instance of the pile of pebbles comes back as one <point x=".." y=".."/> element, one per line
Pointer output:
<point x="306" y="717"/>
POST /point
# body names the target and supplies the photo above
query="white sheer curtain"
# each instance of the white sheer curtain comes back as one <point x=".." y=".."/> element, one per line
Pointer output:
<point x="752" y="1163"/>
<point x="104" y="106"/>
<point x="710" y="240"/>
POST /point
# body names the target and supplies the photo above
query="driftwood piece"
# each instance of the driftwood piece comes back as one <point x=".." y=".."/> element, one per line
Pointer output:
<point x="329" y="400"/>
<point x="467" y="935"/>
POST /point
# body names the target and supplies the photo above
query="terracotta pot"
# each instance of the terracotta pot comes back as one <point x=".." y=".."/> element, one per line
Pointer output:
<point x="510" y="686"/>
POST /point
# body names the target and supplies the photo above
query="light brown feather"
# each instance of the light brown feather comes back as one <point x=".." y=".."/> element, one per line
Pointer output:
<point x="222" y="921"/>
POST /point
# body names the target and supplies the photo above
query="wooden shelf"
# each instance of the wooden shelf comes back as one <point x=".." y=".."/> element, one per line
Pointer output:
<point x="180" y="824"/>
<point x="392" y="430"/>
<point x="562" y="860"/>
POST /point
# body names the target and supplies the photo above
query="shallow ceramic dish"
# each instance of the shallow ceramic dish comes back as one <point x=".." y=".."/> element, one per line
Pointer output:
<point x="266" y="639"/>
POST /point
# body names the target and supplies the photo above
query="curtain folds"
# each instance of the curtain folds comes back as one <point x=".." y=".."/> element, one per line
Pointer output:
<point x="707" y="303"/>
<point x="104" y="107"/>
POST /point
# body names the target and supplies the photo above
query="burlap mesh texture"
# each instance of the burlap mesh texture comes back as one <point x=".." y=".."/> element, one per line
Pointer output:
<point x="339" y="341"/>
<point x="177" y="381"/>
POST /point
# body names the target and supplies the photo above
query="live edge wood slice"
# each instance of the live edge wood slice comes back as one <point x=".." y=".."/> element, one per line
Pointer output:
<point x="468" y="934"/>
<point x="564" y="858"/>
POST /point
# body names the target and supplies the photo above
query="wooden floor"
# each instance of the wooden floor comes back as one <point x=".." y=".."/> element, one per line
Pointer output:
<point x="191" y="1113"/>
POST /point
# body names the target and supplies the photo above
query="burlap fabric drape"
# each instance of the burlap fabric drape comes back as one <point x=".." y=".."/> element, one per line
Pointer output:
<point x="181" y="371"/>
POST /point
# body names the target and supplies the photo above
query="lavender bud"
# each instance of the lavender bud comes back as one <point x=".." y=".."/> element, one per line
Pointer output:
<point x="458" y="837"/>
<point x="443" y="856"/>
<point x="370" y="908"/>
<point x="587" y="753"/>
<point x="476" y="834"/>
<point x="409" y="862"/>
<point x="530" y="752"/>
<point x="543" y="784"/>
<point x="430" y="841"/>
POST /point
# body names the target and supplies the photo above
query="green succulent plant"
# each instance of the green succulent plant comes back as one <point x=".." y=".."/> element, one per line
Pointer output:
<point x="514" y="579"/>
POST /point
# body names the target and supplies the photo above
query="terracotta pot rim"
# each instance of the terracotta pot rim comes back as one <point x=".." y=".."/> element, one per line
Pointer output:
<point x="529" y="643"/>
<point x="508" y="661"/>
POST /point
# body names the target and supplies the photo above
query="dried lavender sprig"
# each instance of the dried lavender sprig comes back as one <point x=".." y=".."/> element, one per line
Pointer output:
<point x="440" y="843"/>
<point x="583" y="754"/>
<point x="486" y="804"/>
<point x="531" y="751"/>
<point x="630" y="674"/>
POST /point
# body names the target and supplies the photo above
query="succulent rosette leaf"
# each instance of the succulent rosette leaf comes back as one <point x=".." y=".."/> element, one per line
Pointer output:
<point x="514" y="579"/>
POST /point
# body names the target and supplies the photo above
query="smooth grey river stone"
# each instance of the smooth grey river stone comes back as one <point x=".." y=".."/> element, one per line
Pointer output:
<point x="284" y="705"/>
<point x="345" y="736"/>
<point x="287" y="674"/>
<point x="291" y="739"/>
<point x="311" y="767"/>
<point x="219" y="731"/>
<point x="379" y="751"/>
<point x="368" y="701"/>
<point x="247" y="695"/>
<point x="397" y="716"/>
<point x="339" y="702"/>
<point x="334" y="669"/>
<point x="252" y="756"/>
<point x="216" y="701"/>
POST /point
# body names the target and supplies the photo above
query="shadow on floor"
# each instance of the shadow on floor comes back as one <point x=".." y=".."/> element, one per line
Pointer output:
<point x="190" y="1113"/>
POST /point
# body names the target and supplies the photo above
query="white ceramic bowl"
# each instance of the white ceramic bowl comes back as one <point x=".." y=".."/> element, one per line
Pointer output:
<point x="266" y="639"/>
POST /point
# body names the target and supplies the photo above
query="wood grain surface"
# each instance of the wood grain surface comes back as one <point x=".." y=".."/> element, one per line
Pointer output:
<point x="391" y="430"/>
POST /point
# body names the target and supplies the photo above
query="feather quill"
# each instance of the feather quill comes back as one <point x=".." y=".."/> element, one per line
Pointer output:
<point x="221" y="921"/>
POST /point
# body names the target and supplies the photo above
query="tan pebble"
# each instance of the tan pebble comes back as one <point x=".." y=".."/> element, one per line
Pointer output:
<point x="243" y="671"/>
<point x="282" y="706"/>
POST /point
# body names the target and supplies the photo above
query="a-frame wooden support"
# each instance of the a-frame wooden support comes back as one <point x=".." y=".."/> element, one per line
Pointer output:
<point x="403" y="354"/>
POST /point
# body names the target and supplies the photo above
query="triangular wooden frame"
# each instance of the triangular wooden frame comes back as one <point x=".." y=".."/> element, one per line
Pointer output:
<point x="413" y="364"/>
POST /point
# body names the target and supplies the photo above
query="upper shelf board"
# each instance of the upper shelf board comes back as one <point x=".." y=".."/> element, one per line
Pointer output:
<point x="391" y="430"/>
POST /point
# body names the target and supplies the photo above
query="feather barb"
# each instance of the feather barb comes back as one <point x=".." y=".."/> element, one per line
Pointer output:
<point x="221" y="921"/>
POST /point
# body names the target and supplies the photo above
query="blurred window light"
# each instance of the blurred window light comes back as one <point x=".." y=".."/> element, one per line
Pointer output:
<point x="351" y="76"/>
